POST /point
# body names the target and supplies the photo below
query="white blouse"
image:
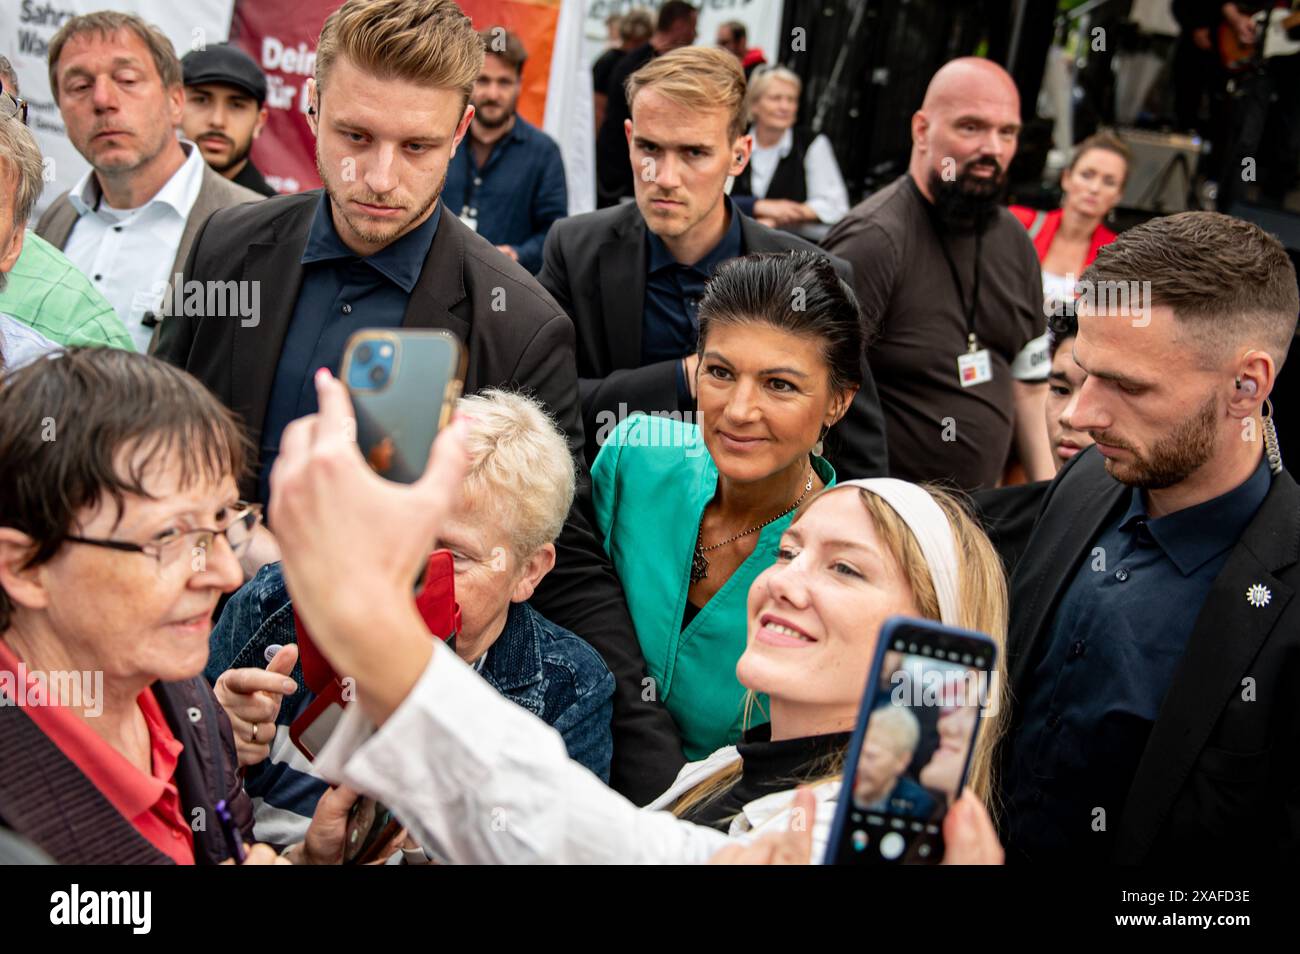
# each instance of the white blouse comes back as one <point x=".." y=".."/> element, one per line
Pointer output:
<point x="827" y="195"/>
<point x="477" y="779"/>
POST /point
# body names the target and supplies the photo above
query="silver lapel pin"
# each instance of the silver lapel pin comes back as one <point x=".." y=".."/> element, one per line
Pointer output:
<point x="1258" y="595"/>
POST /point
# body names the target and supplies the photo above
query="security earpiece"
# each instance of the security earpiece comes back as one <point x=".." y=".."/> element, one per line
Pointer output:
<point x="311" y="110"/>
<point x="1249" y="386"/>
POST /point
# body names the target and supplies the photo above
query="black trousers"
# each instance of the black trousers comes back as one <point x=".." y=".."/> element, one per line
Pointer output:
<point x="1264" y="132"/>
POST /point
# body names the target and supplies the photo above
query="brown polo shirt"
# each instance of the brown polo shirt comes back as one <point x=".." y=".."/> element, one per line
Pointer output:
<point x="936" y="429"/>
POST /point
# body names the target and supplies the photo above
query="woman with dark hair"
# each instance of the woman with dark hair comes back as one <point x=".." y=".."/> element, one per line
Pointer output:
<point x="690" y="513"/>
<point x="120" y="528"/>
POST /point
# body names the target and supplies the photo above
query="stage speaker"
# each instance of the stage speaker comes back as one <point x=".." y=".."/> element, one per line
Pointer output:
<point x="1163" y="170"/>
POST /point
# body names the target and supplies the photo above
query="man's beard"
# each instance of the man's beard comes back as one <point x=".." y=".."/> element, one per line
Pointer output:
<point x="393" y="231"/>
<point x="237" y="155"/>
<point x="1173" y="458"/>
<point x="968" y="203"/>
<point x="507" y="113"/>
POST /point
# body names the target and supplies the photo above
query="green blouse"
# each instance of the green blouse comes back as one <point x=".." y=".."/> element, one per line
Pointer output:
<point x="651" y="482"/>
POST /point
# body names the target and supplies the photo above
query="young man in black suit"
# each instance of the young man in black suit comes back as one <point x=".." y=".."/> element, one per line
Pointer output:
<point x="1154" y="632"/>
<point x="631" y="276"/>
<point x="389" y="105"/>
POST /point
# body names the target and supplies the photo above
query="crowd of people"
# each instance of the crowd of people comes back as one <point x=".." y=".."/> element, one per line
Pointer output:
<point x="713" y="435"/>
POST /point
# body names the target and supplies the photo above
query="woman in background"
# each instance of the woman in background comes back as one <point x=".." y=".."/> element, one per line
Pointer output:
<point x="792" y="180"/>
<point x="1067" y="239"/>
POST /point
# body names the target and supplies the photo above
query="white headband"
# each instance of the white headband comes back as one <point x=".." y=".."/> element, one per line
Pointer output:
<point x="929" y="524"/>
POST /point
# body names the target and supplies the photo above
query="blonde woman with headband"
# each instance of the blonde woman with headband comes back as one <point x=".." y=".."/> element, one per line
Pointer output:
<point x="479" y="780"/>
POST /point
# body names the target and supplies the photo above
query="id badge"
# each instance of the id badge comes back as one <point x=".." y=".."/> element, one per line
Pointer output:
<point x="974" y="368"/>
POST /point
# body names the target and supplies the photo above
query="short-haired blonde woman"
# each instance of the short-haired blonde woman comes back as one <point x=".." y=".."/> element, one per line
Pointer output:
<point x="792" y="179"/>
<point x="477" y="780"/>
<point x="501" y="537"/>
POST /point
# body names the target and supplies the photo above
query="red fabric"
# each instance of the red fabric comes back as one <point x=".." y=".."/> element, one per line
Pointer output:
<point x="149" y="801"/>
<point x="1043" y="240"/>
<point x="753" y="56"/>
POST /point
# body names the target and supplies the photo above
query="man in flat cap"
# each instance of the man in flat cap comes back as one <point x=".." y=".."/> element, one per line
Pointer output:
<point x="225" y="111"/>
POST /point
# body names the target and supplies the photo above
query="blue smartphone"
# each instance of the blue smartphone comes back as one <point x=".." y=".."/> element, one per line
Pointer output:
<point x="911" y="750"/>
<point x="404" y="384"/>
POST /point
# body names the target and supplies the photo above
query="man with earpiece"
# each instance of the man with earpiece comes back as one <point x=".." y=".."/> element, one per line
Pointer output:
<point x="1154" y="631"/>
<point x="631" y="276"/>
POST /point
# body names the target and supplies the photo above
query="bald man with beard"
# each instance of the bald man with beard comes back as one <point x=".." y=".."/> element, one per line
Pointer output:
<point x="954" y="283"/>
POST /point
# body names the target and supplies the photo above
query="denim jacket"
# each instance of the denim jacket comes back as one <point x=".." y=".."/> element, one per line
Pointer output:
<point x="536" y="664"/>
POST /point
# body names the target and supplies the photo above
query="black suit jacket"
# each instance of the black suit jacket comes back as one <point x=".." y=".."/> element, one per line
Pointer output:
<point x="595" y="266"/>
<point x="1219" y="779"/>
<point x="527" y="346"/>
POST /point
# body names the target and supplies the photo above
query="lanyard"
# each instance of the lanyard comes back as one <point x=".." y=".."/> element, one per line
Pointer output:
<point x="973" y="307"/>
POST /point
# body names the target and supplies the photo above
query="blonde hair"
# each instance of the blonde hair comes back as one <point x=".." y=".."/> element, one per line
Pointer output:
<point x="763" y="77"/>
<point x="899" y="726"/>
<point x="519" y="462"/>
<point x="696" y="77"/>
<point x="982" y="606"/>
<point x="105" y="23"/>
<point x="427" y="42"/>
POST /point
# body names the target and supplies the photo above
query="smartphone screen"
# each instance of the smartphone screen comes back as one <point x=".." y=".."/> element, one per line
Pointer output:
<point x="911" y="751"/>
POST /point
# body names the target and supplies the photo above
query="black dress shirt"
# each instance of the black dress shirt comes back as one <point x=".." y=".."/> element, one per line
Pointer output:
<point x="1117" y="638"/>
<point x="670" y="324"/>
<point x="342" y="292"/>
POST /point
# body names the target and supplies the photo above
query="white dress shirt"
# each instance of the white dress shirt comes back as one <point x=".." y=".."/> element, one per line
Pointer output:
<point x="477" y="779"/>
<point x="128" y="253"/>
<point x="827" y="195"/>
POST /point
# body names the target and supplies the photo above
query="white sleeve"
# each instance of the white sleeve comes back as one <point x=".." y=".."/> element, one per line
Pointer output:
<point x="1033" y="363"/>
<point x="480" y="780"/>
<point x="827" y="195"/>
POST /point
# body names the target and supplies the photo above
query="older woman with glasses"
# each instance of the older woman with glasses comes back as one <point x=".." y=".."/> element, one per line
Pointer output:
<point x="120" y="528"/>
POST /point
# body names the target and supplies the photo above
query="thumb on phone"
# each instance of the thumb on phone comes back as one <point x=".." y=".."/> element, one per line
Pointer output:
<point x="284" y="660"/>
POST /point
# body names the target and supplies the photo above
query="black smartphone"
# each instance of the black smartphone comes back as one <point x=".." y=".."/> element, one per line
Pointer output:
<point x="371" y="826"/>
<point x="911" y="750"/>
<point x="404" y="384"/>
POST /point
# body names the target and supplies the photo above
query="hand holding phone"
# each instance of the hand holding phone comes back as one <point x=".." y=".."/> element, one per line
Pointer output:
<point x="910" y="755"/>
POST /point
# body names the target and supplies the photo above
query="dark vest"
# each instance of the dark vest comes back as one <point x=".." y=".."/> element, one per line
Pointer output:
<point x="46" y="798"/>
<point x="789" y="180"/>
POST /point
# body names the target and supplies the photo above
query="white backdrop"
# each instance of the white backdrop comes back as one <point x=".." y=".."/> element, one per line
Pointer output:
<point x="26" y="28"/>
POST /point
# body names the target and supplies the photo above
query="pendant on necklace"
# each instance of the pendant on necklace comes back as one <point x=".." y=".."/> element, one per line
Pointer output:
<point x="699" y="566"/>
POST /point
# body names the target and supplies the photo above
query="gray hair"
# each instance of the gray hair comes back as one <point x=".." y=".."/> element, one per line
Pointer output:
<point x="21" y="158"/>
<point x="762" y="77"/>
<point x="8" y="76"/>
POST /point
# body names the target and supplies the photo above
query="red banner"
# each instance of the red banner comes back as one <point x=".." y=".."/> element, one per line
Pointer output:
<point x="282" y="39"/>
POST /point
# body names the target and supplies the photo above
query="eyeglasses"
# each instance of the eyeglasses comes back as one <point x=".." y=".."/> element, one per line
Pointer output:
<point x="13" y="106"/>
<point x="168" y="549"/>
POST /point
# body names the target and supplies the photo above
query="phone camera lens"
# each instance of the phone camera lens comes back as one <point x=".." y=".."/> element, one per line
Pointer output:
<point x="378" y="374"/>
<point x="364" y="353"/>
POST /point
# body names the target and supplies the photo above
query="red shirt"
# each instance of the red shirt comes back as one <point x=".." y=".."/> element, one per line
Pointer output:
<point x="148" y="800"/>
<point x="1043" y="240"/>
